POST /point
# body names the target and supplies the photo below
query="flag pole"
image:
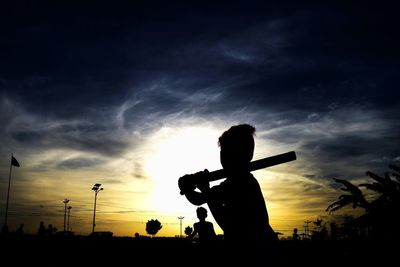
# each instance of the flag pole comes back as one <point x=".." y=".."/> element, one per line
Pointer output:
<point x="8" y="191"/>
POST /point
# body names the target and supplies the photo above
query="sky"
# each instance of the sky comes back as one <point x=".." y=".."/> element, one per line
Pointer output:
<point x="135" y="95"/>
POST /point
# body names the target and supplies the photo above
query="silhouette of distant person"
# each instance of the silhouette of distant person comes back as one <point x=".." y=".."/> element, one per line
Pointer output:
<point x="50" y="230"/>
<point x="295" y="235"/>
<point x="42" y="229"/>
<point x="237" y="204"/>
<point x="204" y="229"/>
<point x="20" y="230"/>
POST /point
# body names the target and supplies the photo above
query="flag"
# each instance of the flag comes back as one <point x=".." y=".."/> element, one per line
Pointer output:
<point x="14" y="162"/>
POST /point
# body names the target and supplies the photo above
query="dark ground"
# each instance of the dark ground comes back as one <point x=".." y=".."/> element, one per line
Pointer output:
<point x="124" y="251"/>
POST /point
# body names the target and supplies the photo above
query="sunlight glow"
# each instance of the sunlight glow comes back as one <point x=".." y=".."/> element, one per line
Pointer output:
<point x="174" y="153"/>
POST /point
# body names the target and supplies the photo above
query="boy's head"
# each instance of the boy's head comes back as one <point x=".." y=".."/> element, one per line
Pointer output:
<point x="201" y="213"/>
<point x="237" y="147"/>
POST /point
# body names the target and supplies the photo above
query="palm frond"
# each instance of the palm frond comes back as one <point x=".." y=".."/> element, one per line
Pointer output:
<point x="353" y="189"/>
<point x="343" y="201"/>
<point x="376" y="177"/>
<point x="374" y="187"/>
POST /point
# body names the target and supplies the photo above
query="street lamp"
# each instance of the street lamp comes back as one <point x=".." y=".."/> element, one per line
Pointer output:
<point x="96" y="188"/>
<point x="65" y="201"/>
<point x="69" y="211"/>
<point x="181" y="218"/>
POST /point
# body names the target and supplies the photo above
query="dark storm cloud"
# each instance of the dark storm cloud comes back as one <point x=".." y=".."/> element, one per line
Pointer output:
<point x="355" y="146"/>
<point x="74" y="136"/>
<point x="27" y="137"/>
<point x="342" y="143"/>
<point x="97" y="133"/>
<point x="299" y="55"/>
<point x="317" y="59"/>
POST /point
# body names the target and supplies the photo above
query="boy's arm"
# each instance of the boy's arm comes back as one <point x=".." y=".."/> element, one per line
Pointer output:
<point x="188" y="184"/>
<point x="213" y="197"/>
<point x="196" y="198"/>
<point x="217" y="209"/>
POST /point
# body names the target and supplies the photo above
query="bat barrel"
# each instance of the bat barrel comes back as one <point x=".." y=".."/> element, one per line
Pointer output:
<point x="258" y="164"/>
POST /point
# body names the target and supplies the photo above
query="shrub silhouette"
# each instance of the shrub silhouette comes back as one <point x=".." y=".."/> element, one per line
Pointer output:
<point x="152" y="227"/>
<point x="188" y="230"/>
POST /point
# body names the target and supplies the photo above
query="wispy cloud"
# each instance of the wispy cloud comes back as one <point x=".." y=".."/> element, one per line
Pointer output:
<point x="79" y="163"/>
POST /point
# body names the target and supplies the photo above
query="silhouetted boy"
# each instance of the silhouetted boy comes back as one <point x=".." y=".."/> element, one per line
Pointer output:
<point x="204" y="229"/>
<point x="237" y="203"/>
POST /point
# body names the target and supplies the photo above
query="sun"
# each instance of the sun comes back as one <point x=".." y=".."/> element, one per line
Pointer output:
<point x="173" y="153"/>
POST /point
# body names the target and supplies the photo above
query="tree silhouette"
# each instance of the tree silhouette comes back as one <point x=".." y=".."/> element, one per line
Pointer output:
<point x="152" y="227"/>
<point x="387" y="189"/>
<point x="356" y="197"/>
<point x="381" y="213"/>
<point x="320" y="232"/>
<point x="188" y="230"/>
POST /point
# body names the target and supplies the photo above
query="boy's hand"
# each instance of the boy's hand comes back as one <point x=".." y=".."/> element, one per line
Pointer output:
<point x="189" y="182"/>
<point x="202" y="180"/>
<point x="186" y="183"/>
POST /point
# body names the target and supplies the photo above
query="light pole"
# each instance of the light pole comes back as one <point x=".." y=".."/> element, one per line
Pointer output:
<point x="69" y="211"/>
<point x="65" y="201"/>
<point x="96" y="188"/>
<point x="181" y="218"/>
